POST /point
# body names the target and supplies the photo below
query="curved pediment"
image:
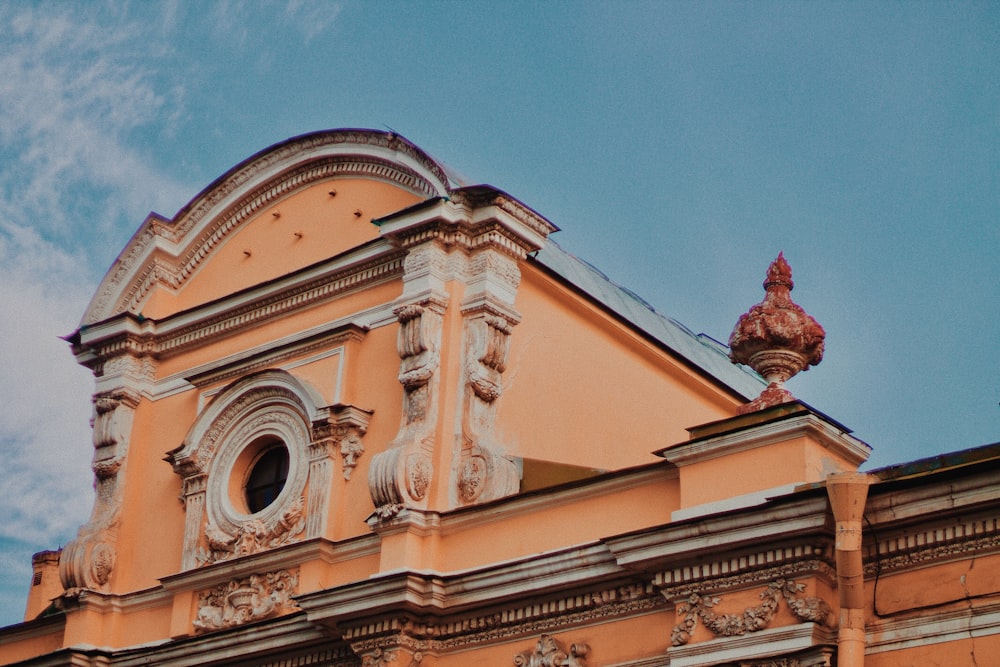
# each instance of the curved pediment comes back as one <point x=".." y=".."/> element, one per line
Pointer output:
<point x="294" y="204"/>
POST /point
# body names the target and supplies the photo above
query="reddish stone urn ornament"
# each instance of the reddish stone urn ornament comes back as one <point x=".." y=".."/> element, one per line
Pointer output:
<point x="776" y="338"/>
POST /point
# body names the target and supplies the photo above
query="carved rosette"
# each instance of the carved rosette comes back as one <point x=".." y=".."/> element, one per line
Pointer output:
<point x="241" y="601"/>
<point x="88" y="561"/>
<point x="549" y="652"/>
<point x="776" y="338"/>
<point x="752" y="619"/>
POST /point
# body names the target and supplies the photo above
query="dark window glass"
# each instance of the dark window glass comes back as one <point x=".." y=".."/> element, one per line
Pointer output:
<point x="267" y="479"/>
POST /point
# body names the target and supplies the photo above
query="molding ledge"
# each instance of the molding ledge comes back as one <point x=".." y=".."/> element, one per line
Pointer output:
<point x="788" y="641"/>
<point x="808" y="424"/>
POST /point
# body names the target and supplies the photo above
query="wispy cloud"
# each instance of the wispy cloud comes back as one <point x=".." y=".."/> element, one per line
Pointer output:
<point x="312" y="17"/>
<point x="72" y="100"/>
<point x="71" y="95"/>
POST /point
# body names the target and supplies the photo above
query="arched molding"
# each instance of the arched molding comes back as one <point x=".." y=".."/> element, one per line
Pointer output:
<point x="168" y="252"/>
<point x="271" y="406"/>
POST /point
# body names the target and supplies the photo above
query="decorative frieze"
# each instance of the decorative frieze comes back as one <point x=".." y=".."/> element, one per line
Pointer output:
<point x="747" y="569"/>
<point x="162" y="339"/>
<point x="918" y="547"/>
<point x="241" y="601"/>
<point x="549" y="652"/>
<point x="752" y="619"/>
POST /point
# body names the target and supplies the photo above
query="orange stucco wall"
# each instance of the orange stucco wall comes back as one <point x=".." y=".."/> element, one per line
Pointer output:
<point x="584" y="389"/>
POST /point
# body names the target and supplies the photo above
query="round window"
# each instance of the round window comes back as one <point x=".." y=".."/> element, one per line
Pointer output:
<point x="267" y="477"/>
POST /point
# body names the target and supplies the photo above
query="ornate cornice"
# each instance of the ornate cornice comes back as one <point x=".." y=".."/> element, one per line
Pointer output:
<point x="933" y="543"/>
<point x="504" y="622"/>
<point x="175" y="335"/>
<point x="746" y="569"/>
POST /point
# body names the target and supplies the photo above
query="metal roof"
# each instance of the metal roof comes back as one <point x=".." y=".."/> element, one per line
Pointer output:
<point x="701" y="351"/>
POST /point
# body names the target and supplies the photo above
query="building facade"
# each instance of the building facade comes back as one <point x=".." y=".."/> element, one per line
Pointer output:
<point x="350" y="412"/>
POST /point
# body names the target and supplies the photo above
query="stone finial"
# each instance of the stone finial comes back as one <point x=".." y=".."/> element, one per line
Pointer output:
<point x="776" y="338"/>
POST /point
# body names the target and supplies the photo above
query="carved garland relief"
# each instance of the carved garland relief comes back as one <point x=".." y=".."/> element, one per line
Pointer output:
<point x="752" y="619"/>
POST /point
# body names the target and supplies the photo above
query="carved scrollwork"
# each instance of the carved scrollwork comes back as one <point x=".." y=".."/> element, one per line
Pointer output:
<point x="86" y="563"/>
<point x="240" y="601"/>
<point x="401" y="475"/>
<point x="548" y="652"/>
<point x="751" y="619"/>
<point x="351" y="449"/>
<point x="379" y="658"/>
<point x="253" y="536"/>
<point x="415" y="346"/>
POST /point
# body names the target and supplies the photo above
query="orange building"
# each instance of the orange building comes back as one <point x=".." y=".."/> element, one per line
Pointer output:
<point x="348" y="412"/>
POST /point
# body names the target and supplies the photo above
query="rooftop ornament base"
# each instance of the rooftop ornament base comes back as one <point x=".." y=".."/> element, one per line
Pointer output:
<point x="776" y="338"/>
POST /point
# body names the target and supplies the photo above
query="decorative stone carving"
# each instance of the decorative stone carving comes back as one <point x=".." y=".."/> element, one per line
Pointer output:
<point x="401" y="475"/>
<point x="351" y="448"/>
<point x="88" y="561"/>
<point x="776" y="338"/>
<point x="484" y="473"/>
<point x="379" y="658"/>
<point x="340" y="433"/>
<point x="240" y="601"/>
<point x="253" y="536"/>
<point x="270" y="406"/>
<point x="548" y="652"/>
<point x="751" y="619"/>
<point x="413" y="344"/>
<point x="475" y="237"/>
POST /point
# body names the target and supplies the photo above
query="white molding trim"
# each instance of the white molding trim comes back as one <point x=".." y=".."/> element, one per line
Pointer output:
<point x="968" y="622"/>
<point x="746" y="439"/>
<point x="774" y="642"/>
<point x="169" y="251"/>
<point x="283" y="557"/>
<point x="694" y="539"/>
<point x="733" y="503"/>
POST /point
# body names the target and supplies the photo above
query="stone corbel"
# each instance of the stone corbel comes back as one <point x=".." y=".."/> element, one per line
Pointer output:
<point x="400" y="476"/>
<point x="88" y="561"/>
<point x="484" y="471"/>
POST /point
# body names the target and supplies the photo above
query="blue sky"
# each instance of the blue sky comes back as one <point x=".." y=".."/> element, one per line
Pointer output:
<point x="678" y="145"/>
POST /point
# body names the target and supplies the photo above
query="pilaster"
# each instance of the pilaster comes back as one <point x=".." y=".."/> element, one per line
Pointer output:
<point x="460" y="282"/>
